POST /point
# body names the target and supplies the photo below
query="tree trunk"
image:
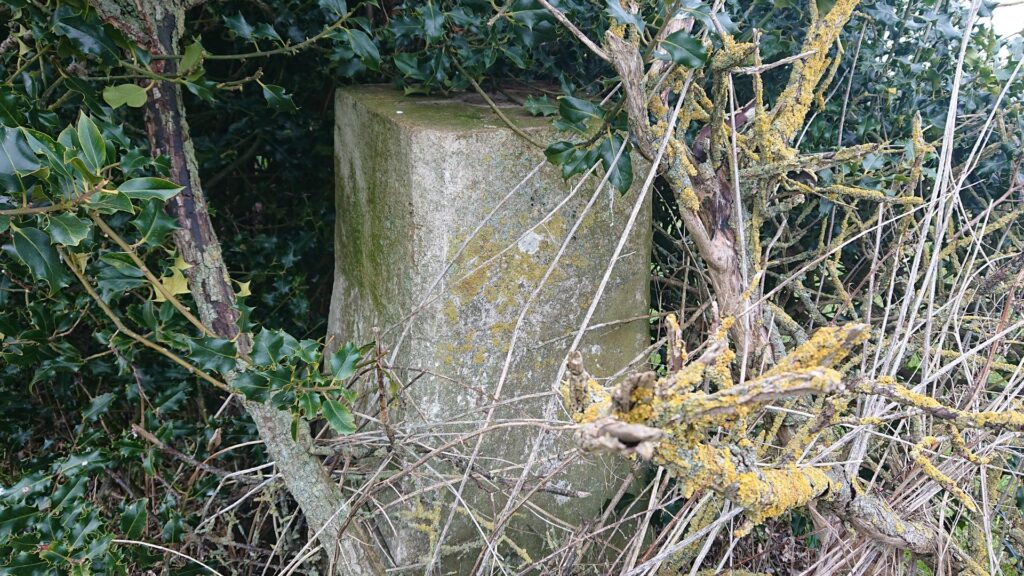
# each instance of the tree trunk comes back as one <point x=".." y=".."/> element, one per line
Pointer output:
<point x="158" y="26"/>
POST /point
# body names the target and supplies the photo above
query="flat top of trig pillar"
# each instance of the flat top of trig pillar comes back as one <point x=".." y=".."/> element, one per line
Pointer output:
<point x="467" y="111"/>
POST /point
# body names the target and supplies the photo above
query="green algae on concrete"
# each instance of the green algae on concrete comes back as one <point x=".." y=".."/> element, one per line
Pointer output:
<point x="415" y="176"/>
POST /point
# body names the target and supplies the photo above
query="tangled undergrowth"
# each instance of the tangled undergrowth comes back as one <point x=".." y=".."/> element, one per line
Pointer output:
<point x="837" y="308"/>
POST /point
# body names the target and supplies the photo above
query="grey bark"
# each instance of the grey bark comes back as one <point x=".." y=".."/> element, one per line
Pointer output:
<point x="157" y="26"/>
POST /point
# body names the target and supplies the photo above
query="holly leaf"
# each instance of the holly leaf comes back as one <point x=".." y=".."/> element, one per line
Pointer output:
<point x="364" y="47"/>
<point x="110" y="202"/>
<point x="621" y="171"/>
<point x="148" y="187"/>
<point x="253" y="385"/>
<point x="271" y="346"/>
<point x="239" y="26"/>
<point x="309" y="404"/>
<point x="174" y="529"/>
<point x="94" y="148"/>
<point x="174" y="284"/>
<point x="333" y="8"/>
<point x="683" y="49"/>
<point x="213" y="354"/>
<point x="278" y="98"/>
<point x="15" y="519"/>
<point x="118" y="273"/>
<point x="267" y="32"/>
<point x="98" y="406"/>
<point x="133" y="519"/>
<point x="131" y="94"/>
<point x="577" y="110"/>
<point x="68" y="492"/>
<point x="68" y="229"/>
<point x="339" y="417"/>
<point x="540" y="106"/>
<point x="192" y="58"/>
<point x="433" y="21"/>
<point x="620" y="15"/>
<point x="409" y="66"/>
<point x="16" y="156"/>
<point x="344" y="361"/>
<point x="559" y="152"/>
<point x="32" y="247"/>
<point x="153" y="223"/>
<point x="571" y="158"/>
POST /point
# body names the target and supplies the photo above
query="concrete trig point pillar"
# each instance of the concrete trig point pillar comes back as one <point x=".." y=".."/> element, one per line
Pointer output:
<point x="414" y="178"/>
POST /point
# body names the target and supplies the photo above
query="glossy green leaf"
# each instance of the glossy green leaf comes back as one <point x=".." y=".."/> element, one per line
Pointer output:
<point x="117" y="274"/>
<point x="364" y="47"/>
<point x="16" y="156"/>
<point x="81" y="463"/>
<point x="14" y="519"/>
<point x="272" y="346"/>
<point x="344" y="361"/>
<point x="131" y="94"/>
<point x="309" y="404"/>
<point x="192" y="58"/>
<point x="540" y="106"/>
<point x="149" y="187"/>
<point x="68" y="229"/>
<point x="558" y="152"/>
<point x="333" y="8"/>
<point x="338" y="416"/>
<point x="99" y="405"/>
<point x="133" y="519"/>
<point x="578" y="110"/>
<point x="278" y="98"/>
<point x="433" y="20"/>
<point x="32" y="247"/>
<point x="683" y="49"/>
<point x="85" y="31"/>
<point x="620" y="172"/>
<point x="94" y="147"/>
<point x="68" y="492"/>
<point x="26" y="564"/>
<point x="239" y="26"/>
<point x="213" y="354"/>
<point x="622" y="16"/>
<point x="266" y="32"/>
<point x="308" y="351"/>
<point x="252" y="385"/>
<point x="408" y="65"/>
<point x="174" y="529"/>
<point x="110" y="203"/>
<point x="153" y="223"/>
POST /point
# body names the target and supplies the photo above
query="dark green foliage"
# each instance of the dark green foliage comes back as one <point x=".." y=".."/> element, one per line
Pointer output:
<point x="74" y="473"/>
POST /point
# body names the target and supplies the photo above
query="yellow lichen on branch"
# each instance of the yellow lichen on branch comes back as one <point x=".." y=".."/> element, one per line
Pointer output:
<point x="795" y="101"/>
<point x="827" y="348"/>
<point x="933" y="472"/>
<point x="669" y="420"/>
<point x="888" y="387"/>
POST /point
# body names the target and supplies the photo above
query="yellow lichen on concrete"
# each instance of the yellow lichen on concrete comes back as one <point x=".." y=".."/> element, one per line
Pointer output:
<point x="426" y="521"/>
